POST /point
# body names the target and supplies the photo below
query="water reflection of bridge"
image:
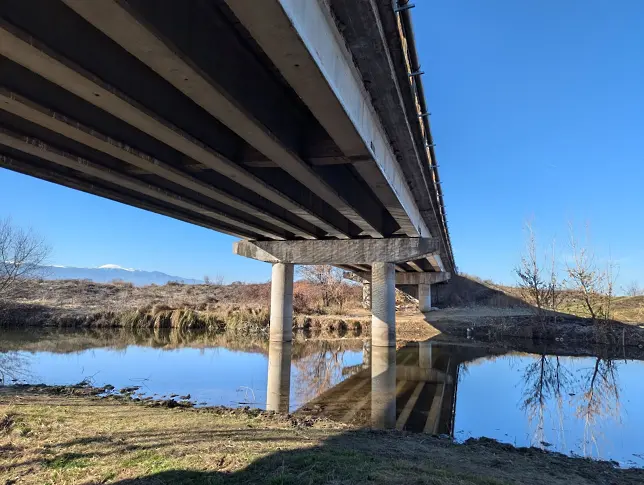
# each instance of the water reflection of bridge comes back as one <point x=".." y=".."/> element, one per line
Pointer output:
<point x="413" y="388"/>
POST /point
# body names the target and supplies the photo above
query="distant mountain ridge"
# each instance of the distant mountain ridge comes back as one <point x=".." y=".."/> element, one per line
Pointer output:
<point x="111" y="272"/>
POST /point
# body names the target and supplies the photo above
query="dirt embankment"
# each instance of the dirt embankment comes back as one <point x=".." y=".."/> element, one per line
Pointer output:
<point x="61" y="437"/>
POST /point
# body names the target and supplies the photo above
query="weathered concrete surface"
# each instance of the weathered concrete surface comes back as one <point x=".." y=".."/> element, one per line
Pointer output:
<point x="355" y="251"/>
<point x="302" y="40"/>
<point x="424" y="297"/>
<point x="383" y="305"/>
<point x="405" y="278"/>
<point x="281" y="329"/>
<point x="366" y="295"/>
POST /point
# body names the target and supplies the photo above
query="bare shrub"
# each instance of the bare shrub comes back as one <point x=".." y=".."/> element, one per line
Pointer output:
<point x="538" y="281"/>
<point x="327" y="286"/>
<point x="633" y="289"/>
<point x="22" y="253"/>
<point x="592" y="284"/>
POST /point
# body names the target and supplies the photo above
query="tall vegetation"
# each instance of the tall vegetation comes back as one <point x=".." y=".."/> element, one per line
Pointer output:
<point x="22" y="254"/>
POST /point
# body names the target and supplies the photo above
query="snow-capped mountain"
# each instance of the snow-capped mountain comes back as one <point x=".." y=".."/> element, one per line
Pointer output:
<point x="111" y="272"/>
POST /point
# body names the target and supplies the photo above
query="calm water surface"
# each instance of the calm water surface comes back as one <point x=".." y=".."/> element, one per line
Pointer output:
<point x="587" y="406"/>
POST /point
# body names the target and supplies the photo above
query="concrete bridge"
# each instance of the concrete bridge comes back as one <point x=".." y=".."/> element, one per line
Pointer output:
<point x="299" y="126"/>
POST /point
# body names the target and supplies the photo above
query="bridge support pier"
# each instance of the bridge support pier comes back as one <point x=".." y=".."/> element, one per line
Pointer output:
<point x="424" y="297"/>
<point x="281" y="329"/>
<point x="366" y="294"/>
<point x="383" y="305"/>
<point x="380" y="254"/>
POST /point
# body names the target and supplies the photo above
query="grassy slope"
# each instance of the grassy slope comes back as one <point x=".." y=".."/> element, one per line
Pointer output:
<point x="48" y="439"/>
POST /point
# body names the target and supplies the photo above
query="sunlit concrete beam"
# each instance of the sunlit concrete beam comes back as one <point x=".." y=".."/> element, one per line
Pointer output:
<point x="124" y="27"/>
<point x="415" y="266"/>
<point x="351" y="252"/>
<point x="29" y="53"/>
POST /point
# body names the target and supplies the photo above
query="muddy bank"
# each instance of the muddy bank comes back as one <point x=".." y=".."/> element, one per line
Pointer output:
<point x="58" y="437"/>
<point x="523" y="325"/>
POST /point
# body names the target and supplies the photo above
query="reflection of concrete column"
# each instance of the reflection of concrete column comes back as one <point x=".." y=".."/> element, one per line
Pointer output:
<point x="383" y="387"/>
<point x="279" y="376"/>
<point x="383" y="305"/>
<point x="425" y="354"/>
<point x="366" y="294"/>
<point x="424" y="297"/>
<point x="282" y="303"/>
<point x="366" y="353"/>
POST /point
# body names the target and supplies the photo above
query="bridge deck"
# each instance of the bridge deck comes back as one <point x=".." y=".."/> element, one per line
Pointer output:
<point x="260" y="122"/>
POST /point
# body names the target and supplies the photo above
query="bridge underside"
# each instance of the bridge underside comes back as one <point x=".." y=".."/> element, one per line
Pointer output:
<point x="274" y="121"/>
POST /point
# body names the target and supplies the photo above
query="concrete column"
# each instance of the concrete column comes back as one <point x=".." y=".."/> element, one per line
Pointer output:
<point x="424" y="297"/>
<point x="383" y="387"/>
<point x="425" y="355"/>
<point x="278" y="389"/>
<point x="282" y="303"/>
<point x="383" y="305"/>
<point x="366" y="294"/>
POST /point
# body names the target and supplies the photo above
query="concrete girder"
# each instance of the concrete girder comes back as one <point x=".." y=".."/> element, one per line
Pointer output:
<point x="93" y="189"/>
<point x="304" y="44"/>
<point x="365" y="29"/>
<point x="131" y="33"/>
<point x="58" y="123"/>
<point x="409" y="278"/>
<point x="436" y="263"/>
<point x="41" y="150"/>
<point x="415" y="266"/>
<point x="29" y="53"/>
<point x="351" y="252"/>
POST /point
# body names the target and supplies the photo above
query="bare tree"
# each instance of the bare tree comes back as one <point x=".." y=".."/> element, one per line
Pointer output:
<point x="22" y="254"/>
<point x="326" y="277"/>
<point x="594" y="286"/>
<point x="633" y="289"/>
<point x="554" y="291"/>
<point x="531" y="274"/>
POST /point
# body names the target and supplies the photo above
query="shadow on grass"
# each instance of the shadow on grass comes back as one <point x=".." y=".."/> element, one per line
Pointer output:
<point x="374" y="457"/>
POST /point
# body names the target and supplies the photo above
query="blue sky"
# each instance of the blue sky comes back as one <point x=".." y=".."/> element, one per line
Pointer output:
<point x="537" y="113"/>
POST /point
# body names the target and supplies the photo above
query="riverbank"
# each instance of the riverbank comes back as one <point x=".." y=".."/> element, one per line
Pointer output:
<point x="234" y="309"/>
<point x="54" y="436"/>
<point x="490" y="324"/>
<point x="478" y="311"/>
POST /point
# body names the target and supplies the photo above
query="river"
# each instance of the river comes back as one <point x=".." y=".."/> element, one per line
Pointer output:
<point x="587" y="406"/>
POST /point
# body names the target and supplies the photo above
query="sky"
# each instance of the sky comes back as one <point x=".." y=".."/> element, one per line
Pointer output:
<point x="538" y="115"/>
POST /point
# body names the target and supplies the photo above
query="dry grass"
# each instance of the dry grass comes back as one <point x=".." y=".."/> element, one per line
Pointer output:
<point x="59" y="439"/>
